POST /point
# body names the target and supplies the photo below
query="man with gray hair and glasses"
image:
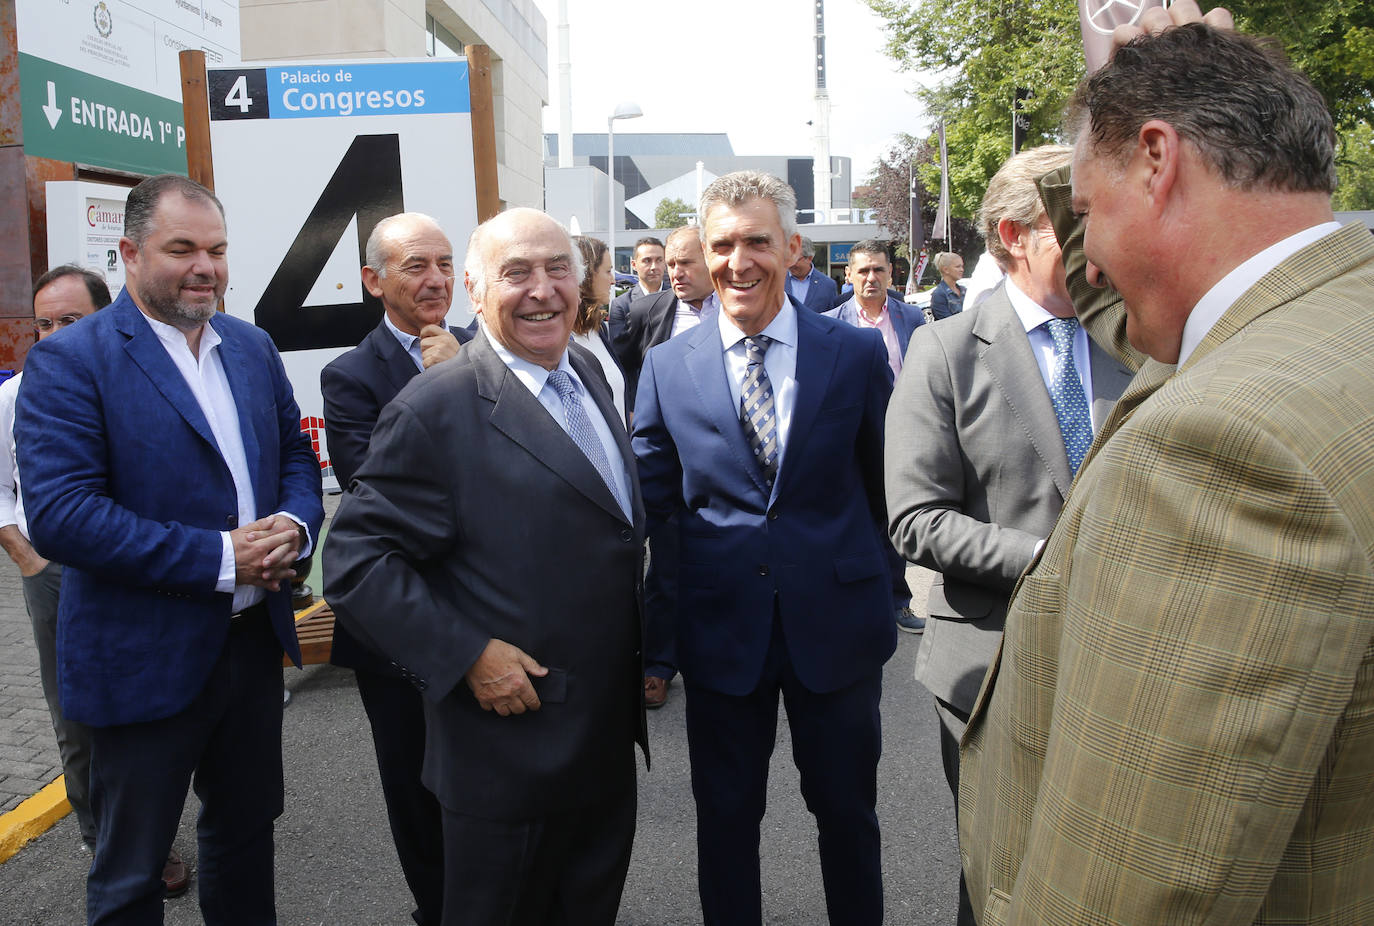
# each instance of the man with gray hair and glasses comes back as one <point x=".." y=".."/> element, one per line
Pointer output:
<point x="763" y="431"/>
<point x="1177" y="727"/>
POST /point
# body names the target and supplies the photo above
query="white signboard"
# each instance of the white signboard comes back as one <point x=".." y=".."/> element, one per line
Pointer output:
<point x="308" y="157"/>
<point x="85" y="223"/>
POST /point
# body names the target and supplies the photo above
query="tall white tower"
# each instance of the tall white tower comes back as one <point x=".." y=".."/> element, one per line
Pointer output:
<point x="565" y="133"/>
<point x="821" y="124"/>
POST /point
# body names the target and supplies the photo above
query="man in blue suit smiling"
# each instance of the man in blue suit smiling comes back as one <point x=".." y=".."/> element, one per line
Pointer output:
<point x="764" y="430"/>
<point x="165" y="467"/>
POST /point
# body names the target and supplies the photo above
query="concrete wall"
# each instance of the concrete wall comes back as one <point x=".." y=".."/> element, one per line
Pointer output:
<point x="514" y="30"/>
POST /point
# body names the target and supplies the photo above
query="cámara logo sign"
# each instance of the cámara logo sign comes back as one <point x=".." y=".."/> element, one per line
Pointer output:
<point x="104" y="22"/>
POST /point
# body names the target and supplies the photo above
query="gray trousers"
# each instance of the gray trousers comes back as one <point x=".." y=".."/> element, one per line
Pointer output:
<point x="73" y="739"/>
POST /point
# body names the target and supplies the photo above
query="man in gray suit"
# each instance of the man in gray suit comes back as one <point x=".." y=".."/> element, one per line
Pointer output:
<point x="491" y="547"/>
<point x="984" y="434"/>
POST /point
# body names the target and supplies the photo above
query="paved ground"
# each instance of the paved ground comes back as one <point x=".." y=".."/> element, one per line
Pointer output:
<point x="335" y="863"/>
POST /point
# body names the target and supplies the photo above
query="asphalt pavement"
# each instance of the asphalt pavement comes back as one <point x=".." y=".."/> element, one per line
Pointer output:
<point x="336" y="865"/>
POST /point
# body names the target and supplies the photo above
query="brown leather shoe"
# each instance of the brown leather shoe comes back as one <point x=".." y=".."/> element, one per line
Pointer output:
<point x="655" y="692"/>
<point x="174" y="875"/>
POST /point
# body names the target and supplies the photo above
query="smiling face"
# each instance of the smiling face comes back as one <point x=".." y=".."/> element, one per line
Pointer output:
<point x="417" y="288"/>
<point x="748" y="256"/>
<point x="1118" y="228"/>
<point x="530" y="293"/>
<point x="179" y="273"/>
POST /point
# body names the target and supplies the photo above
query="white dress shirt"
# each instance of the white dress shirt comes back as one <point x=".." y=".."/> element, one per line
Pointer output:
<point x="614" y="378"/>
<point x="535" y="379"/>
<point x="779" y="362"/>
<point x="204" y="376"/>
<point x="11" y="496"/>
<point x="686" y="318"/>
<point x="1231" y="287"/>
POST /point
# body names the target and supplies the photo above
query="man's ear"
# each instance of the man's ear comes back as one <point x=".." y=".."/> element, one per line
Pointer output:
<point x="1156" y="160"/>
<point x="128" y="252"/>
<point x="372" y="282"/>
<point x="1013" y="237"/>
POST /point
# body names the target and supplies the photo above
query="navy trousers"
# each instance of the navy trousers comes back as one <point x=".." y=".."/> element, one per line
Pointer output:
<point x="836" y="744"/>
<point x="227" y="743"/>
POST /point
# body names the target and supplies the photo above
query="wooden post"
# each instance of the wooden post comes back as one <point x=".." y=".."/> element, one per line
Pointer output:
<point x="195" y="112"/>
<point x="483" y="131"/>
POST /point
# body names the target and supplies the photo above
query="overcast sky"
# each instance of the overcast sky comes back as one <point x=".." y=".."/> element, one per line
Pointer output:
<point x="742" y="67"/>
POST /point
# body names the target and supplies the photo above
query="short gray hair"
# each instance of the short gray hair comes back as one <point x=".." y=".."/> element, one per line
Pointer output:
<point x="1012" y="194"/>
<point x="736" y="189"/>
<point x="144" y="199"/>
<point x="474" y="269"/>
<point x="376" y="252"/>
<point x="808" y="247"/>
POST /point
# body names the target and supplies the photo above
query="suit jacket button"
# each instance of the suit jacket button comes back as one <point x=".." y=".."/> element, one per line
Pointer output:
<point x="627" y="535"/>
<point x="421" y="684"/>
<point x="763" y="569"/>
<point x="772" y="515"/>
<point x="231" y="522"/>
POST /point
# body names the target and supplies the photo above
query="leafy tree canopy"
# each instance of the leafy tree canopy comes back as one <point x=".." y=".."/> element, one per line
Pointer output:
<point x="671" y="213"/>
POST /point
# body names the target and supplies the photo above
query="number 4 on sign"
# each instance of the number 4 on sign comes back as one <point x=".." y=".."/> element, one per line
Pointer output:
<point x="238" y="95"/>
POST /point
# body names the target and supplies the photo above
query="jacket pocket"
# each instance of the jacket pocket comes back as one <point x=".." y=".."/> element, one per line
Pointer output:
<point x="857" y="568"/>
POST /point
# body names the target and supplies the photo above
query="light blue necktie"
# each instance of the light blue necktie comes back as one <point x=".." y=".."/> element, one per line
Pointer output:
<point x="580" y="426"/>
<point x="758" y="414"/>
<point x="1066" y="392"/>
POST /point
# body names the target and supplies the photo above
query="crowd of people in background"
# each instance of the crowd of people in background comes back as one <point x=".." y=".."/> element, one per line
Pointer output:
<point x="1138" y="461"/>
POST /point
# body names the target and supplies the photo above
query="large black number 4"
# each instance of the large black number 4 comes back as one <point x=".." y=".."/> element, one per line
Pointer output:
<point x="367" y="183"/>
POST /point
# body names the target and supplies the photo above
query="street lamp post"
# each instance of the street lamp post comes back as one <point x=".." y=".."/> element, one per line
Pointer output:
<point x="623" y="111"/>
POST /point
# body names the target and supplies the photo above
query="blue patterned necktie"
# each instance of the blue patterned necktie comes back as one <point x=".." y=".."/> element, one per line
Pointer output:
<point x="758" y="414"/>
<point x="580" y="426"/>
<point x="1066" y="392"/>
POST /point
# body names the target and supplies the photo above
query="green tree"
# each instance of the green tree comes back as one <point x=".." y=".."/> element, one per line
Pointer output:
<point x="1355" y="169"/>
<point x="985" y="50"/>
<point x="890" y="198"/>
<point x="670" y="213"/>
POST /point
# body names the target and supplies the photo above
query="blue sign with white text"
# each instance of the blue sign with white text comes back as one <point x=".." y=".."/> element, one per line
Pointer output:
<point x="316" y="91"/>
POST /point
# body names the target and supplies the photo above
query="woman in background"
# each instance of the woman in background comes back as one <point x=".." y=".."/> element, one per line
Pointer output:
<point x="589" y="330"/>
<point x="947" y="298"/>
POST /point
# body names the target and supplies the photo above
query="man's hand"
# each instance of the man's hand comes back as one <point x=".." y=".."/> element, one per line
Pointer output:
<point x="437" y="345"/>
<point x="265" y="550"/>
<point x="21" y="551"/>
<point x="1157" y="19"/>
<point x="499" y="679"/>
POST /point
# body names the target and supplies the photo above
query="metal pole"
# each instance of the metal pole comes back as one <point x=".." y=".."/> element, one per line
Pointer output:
<point x="610" y="188"/>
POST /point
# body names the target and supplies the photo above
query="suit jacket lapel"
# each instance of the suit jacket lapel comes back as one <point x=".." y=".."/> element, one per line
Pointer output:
<point x="705" y="364"/>
<point x="397" y="365"/>
<point x="660" y="321"/>
<point x="1009" y="362"/>
<point x="816" y="354"/>
<point x="520" y="416"/>
<point x="147" y="352"/>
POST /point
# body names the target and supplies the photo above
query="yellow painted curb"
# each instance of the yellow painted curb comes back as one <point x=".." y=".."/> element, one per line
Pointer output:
<point x="33" y="817"/>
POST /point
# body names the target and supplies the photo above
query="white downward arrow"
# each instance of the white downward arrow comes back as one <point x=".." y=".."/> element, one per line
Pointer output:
<point x="51" y="110"/>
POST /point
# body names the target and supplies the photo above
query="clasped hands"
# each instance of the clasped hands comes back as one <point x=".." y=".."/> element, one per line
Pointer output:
<point x="265" y="551"/>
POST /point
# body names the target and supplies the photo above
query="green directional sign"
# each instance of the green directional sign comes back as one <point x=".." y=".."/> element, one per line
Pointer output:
<point x="71" y="116"/>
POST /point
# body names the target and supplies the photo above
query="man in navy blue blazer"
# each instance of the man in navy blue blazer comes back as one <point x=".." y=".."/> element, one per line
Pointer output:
<point x="763" y="430"/>
<point x="807" y="285"/>
<point x="873" y="306"/>
<point x="166" y="466"/>
<point x="410" y="269"/>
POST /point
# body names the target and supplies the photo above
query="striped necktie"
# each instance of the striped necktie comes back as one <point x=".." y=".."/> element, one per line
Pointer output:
<point x="580" y="426"/>
<point x="758" y="414"/>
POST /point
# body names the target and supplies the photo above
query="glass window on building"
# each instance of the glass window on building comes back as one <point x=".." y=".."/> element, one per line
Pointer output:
<point x="439" y="42"/>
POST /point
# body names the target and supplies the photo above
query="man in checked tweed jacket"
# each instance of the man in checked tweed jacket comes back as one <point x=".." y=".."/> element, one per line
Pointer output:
<point x="1179" y="727"/>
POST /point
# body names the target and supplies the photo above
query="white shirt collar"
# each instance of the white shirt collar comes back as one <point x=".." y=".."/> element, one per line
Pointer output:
<point x="531" y="374"/>
<point x="782" y="328"/>
<point x="174" y="337"/>
<point x="1231" y="287"/>
<point x="1031" y="313"/>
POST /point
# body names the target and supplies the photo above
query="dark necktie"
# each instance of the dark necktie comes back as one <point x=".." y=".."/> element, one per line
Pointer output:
<point x="1066" y="392"/>
<point x="580" y="426"/>
<point x="758" y="414"/>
